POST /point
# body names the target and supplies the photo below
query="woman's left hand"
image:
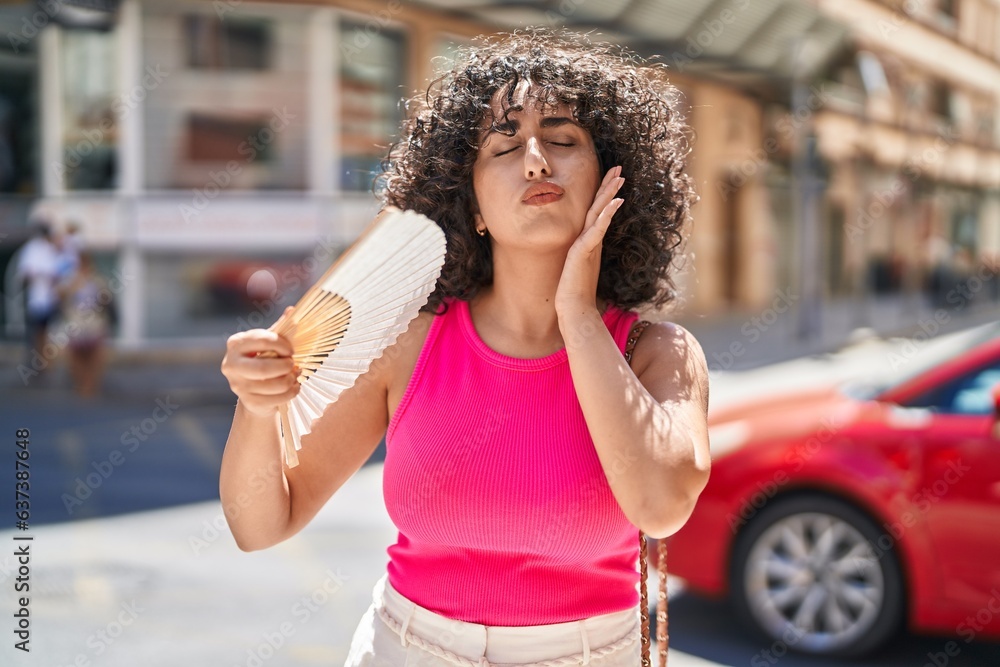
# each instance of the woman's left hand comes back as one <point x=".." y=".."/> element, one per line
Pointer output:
<point x="577" y="290"/>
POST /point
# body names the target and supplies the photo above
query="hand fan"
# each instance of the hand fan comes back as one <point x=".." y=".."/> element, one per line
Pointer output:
<point x="356" y="310"/>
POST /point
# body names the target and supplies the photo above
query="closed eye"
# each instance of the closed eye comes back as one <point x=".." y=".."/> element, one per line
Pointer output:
<point x="514" y="148"/>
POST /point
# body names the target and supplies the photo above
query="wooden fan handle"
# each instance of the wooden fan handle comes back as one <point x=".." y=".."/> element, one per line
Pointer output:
<point x="291" y="456"/>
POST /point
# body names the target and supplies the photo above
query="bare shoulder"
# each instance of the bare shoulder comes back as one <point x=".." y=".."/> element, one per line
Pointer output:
<point x="668" y="355"/>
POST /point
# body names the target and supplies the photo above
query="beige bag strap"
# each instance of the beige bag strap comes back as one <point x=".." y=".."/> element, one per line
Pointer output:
<point x="661" y="552"/>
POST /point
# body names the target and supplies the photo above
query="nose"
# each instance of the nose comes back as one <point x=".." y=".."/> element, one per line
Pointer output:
<point x="535" y="164"/>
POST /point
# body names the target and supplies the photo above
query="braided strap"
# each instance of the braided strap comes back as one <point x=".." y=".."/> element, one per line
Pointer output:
<point x="633" y="337"/>
<point x="661" y="552"/>
<point x="567" y="661"/>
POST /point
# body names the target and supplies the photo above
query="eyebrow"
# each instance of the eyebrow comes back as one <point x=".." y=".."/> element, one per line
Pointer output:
<point x="512" y="125"/>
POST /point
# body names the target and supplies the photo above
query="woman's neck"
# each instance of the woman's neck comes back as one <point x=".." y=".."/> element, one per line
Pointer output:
<point x="520" y="304"/>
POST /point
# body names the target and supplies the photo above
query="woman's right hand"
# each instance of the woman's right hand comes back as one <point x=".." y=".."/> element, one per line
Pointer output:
<point x="262" y="383"/>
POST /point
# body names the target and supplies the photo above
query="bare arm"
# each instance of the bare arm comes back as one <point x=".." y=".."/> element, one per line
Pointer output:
<point x="650" y="426"/>
<point x="264" y="501"/>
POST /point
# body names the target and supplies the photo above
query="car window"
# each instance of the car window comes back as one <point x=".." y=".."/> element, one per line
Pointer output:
<point x="968" y="394"/>
<point x="940" y="350"/>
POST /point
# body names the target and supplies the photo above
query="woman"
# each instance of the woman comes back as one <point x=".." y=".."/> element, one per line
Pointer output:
<point x="523" y="451"/>
<point x="87" y="313"/>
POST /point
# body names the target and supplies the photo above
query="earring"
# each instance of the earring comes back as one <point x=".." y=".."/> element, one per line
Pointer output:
<point x="481" y="232"/>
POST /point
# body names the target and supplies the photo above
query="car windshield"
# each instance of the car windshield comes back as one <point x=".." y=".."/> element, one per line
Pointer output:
<point x="937" y="351"/>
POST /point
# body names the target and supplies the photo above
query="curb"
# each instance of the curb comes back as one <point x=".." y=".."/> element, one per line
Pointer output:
<point x="13" y="353"/>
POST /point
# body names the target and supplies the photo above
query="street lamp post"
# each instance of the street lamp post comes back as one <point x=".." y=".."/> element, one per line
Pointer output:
<point x="806" y="188"/>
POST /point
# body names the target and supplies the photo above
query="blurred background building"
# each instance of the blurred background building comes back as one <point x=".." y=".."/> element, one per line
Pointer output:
<point x="847" y="152"/>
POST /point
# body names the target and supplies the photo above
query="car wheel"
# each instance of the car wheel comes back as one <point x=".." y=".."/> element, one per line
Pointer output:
<point x="810" y="573"/>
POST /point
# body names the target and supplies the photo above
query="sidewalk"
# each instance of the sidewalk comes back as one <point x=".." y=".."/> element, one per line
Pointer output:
<point x="192" y="375"/>
<point x="742" y="340"/>
<point x="169" y="587"/>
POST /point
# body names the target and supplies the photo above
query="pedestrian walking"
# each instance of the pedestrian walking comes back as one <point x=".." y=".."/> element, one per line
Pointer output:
<point x="38" y="272"/>
<point x="87" y="317"/>
<point x="523" y="450"/>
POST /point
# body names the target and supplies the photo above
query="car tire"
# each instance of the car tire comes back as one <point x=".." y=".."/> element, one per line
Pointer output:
<point x="815" y="575"/>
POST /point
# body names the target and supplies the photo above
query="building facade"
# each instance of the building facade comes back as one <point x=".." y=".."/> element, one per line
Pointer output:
<point x="910" y="136"/>
<point x="197" y="143"/>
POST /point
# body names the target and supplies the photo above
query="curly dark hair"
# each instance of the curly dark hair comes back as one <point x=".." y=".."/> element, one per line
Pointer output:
<point x="626" y="104"/>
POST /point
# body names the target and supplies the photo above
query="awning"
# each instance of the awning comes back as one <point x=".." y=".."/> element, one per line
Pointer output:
<point x="748" y="43"/>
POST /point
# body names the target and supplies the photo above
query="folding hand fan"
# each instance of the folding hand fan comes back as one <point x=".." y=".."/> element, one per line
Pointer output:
<point x="356" y="310"/>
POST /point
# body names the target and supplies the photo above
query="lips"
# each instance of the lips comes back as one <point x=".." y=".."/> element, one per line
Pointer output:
<point x="542" y="193"/>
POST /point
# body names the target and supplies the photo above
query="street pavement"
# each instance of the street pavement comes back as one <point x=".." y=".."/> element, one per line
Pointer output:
<point x="131" y="563"/>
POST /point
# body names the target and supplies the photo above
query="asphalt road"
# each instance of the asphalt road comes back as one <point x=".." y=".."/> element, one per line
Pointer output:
<point x="95" y="460"/>
<point x="123" y="453"/>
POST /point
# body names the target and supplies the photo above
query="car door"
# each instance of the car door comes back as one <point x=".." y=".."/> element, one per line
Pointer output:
<point x="958" y="494"/>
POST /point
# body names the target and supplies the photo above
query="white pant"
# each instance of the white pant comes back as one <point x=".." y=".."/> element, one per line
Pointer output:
<point x="396" y="632"/>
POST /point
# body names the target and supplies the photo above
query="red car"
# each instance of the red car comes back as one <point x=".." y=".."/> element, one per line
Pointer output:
<point x="835" y="516"/>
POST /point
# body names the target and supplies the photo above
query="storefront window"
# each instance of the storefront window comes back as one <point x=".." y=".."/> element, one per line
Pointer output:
<point x="371" y="87"/>
<point x="90" y="125"/>
<point x="190" y="295"/>
<point x="20" y="143"/>
<point x="214" y="43"/>
<point x="228" y="109"/>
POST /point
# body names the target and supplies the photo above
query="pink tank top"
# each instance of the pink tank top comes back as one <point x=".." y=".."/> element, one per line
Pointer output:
<point x="504" y="513"/>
